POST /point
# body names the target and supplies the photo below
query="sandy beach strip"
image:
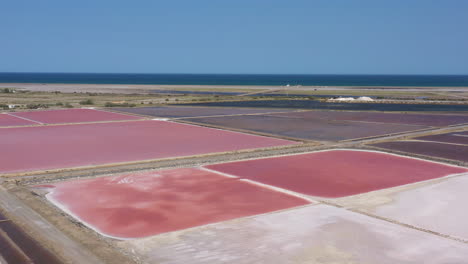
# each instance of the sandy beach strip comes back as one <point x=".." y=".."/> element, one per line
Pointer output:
<point x="145" y="88"/>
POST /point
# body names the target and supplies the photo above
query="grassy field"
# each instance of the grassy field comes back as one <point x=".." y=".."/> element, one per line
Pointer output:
<point x="357" y="92"/>
<point x="33" y="100"/>
<point x="23" y="99"/>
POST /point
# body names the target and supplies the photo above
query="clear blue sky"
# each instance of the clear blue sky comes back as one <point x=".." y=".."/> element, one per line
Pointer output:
<point x="235" y="36"/>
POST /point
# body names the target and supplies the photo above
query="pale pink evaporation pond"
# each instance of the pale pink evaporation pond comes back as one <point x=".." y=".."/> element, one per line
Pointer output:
<point x="65" y="146"/>
<point x="62" y="116"/>
<point x="9" y="120"/>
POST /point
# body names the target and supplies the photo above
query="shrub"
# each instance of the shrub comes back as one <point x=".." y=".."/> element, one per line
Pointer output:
<point x="36" y="106"/>
<point x="109" y="104"/>
<point x="87" y="102"/>
<point x="68" y="105"/>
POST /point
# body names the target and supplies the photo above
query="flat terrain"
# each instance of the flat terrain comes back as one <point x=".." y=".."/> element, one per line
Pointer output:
<point x="12" y="239"/>
<point x="25" y="95"/>
<point x="119" y="88"/>
<point x="313" y="234"/>
<point x="27" y="99"/>
<point x="7" y="120"/>
<point x="65" y="146"/>
<point x="434" y="149"/>
<point x="432" y="206"/>
<point x="144" y="204"/>
<point x="72" y="116"/>
<point x="379" y="117"/>
<point x="186" y="111"/>
<point x="299" y="103"/>
<point x="295" y="125"/>
<point x="336" y="173"/>
<point x="456" y="138"/>
<point x="100" y="186"/>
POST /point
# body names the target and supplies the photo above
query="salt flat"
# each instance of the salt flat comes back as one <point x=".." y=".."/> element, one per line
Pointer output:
<point x="310" y="234"/>
<point x="438" y="205"/>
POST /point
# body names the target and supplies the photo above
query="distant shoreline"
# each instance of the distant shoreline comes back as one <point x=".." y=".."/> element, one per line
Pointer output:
<point x="262" y="81"/>
<point x="144" y="88"/>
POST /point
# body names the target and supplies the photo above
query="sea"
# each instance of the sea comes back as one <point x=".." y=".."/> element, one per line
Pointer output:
<point x="240" y="79"/>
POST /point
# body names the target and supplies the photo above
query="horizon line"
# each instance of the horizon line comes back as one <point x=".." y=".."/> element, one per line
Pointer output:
<point x="265" y="74"/>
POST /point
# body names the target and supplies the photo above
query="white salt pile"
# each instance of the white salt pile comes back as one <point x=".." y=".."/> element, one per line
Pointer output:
<point x="341" y="99"/>
<point x="351" y="99"/>
<point x="365" y="98"/>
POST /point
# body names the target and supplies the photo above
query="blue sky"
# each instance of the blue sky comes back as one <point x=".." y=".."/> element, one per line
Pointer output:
<point x="237" y="36"/>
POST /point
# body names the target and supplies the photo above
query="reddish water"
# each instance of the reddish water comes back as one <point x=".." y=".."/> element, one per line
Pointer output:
<point x="145" y="204"/>
<point x="8" y="120"/>
<point x="336" y="173"/>
<point x="73" y="116"/>
<point x="62" y="146"/>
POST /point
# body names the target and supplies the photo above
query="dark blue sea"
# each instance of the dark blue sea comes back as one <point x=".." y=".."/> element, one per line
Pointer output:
<point x="239" y="79"/>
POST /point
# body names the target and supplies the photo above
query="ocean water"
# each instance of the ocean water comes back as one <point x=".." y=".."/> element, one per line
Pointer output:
<point x="239" y="79"/>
